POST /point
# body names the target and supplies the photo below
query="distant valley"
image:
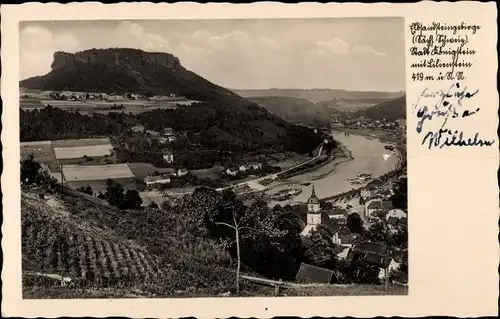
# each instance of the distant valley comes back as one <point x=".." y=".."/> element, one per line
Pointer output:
<point x="390" y="110"/>
<point x="318" y="95"/>
<point x="316" y="106"/>
<point x="294" y="110"/>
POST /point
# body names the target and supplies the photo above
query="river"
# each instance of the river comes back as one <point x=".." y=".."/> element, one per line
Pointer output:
<point x="333" y="178"/>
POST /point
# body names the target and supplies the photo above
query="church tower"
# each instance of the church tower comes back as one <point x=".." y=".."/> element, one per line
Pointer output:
<point x="313" y="209"/>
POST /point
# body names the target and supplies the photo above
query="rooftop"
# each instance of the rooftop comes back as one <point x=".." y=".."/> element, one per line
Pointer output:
<point x="168" y="131"/>
<point x="155" y="178"/>
<point x="313" y="274"/>
<point x="370" y="247"/>
<point x="375" y="204"/>
<point x="387" y="204"/>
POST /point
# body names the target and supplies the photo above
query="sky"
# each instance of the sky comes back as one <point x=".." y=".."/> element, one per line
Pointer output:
<point x="363" y="54"/>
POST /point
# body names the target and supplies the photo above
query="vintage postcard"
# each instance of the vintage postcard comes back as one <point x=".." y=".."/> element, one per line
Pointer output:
<point x="217" y="160"/>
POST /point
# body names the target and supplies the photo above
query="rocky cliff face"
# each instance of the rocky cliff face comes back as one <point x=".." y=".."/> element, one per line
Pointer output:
<point x="116" y="57"/>
<point x="123" y="71"/>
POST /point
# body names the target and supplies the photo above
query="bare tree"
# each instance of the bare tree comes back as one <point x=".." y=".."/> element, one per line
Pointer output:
<point x="257" y="220"/>
<point x="238" y="228"/>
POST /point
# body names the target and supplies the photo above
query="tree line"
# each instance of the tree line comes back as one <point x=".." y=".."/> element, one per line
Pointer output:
<point x="213" y="132"/>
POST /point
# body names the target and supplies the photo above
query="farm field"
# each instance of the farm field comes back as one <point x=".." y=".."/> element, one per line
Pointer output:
<point x="66" y="104"/>
<point x="76" y="173"/>
<point x="81" y="151"/>
<point x="89" y="107"/>
<point x="56" y="242"/>
<point x="43" y="152"/>
<point x="30" y="104"/>
<point x="81" y="142"/>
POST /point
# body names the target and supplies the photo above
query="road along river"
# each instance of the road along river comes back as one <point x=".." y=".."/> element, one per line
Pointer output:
<point x="333" y="178"/>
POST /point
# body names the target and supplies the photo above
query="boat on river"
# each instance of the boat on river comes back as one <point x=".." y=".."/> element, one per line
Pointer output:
<point x="360" y="178"/>
<point x="286" y="194"/>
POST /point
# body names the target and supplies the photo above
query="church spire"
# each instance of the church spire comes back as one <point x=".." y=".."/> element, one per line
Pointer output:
<point x="313" y="199"/>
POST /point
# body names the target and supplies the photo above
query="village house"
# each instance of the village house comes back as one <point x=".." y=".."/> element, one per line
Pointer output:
<point x="396" y="223"/>
<point x="137" y="128"/>
<point x="367" y="192"/>
<point x="242" y="168"/>
<point x="256" y="166"/>
<point x="375" y="254"/>
<point x="114" y="97"/>
<point x="232" y="171"/>
<point x="372" y="205"/>
<point x="162" y="140"/>
<point x="377" y="204"/>
<point x="396" y="213"/>
<point x="344" y="237"/>
<point x="153" y="180"/>
<point x="168" y="156"/>
<point x="338" y="214"/>
<point x="151" y="133"/>
<point x="379" y="213"/>
<point x="182" y="172"/>
<point x="383" y="193"/>
<point x="342" y="251"/>
<point x="168" y="131"/>
<point x="169" y="134"/>
<point x="401" y="123"/>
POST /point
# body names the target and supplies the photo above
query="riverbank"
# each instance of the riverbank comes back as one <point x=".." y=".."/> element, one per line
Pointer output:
<point x="341" y="155"/>
<point x="347" y="156"/>
<point x="364" y="153"/>
<point x="385" y="136"/>
<point x="384" y="178"/>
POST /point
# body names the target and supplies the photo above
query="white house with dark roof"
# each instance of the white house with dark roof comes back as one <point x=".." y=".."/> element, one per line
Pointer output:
<point x="152" y="180"/>
<point x="168" y="155"/>
<point x="371" y="206"/>
<point x="338" y="214"/>
<point x="367" y="192"/>
<point x="377" y="204"/>
<point x="396" y="213"/>
<point x="232" y="171"/>
<point x="182" y="172"/>
<point x="168" y="131"/>
<point x="256" y="166"/>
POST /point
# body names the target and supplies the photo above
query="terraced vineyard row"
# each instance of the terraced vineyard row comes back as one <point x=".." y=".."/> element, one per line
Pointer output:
<point x="87" y="260"/>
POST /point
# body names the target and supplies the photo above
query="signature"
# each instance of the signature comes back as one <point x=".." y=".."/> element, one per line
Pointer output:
<point x="448" y="105"/>
<point x="446" y="138"/>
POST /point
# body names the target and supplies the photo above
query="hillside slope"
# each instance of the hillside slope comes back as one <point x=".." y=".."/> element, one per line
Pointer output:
<point x="294" y="110"/>
<point x="102" y="248"/>
<point x="242" y="126"/>
<point x="390" y="110"/>
<point x="124" y="71"/>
